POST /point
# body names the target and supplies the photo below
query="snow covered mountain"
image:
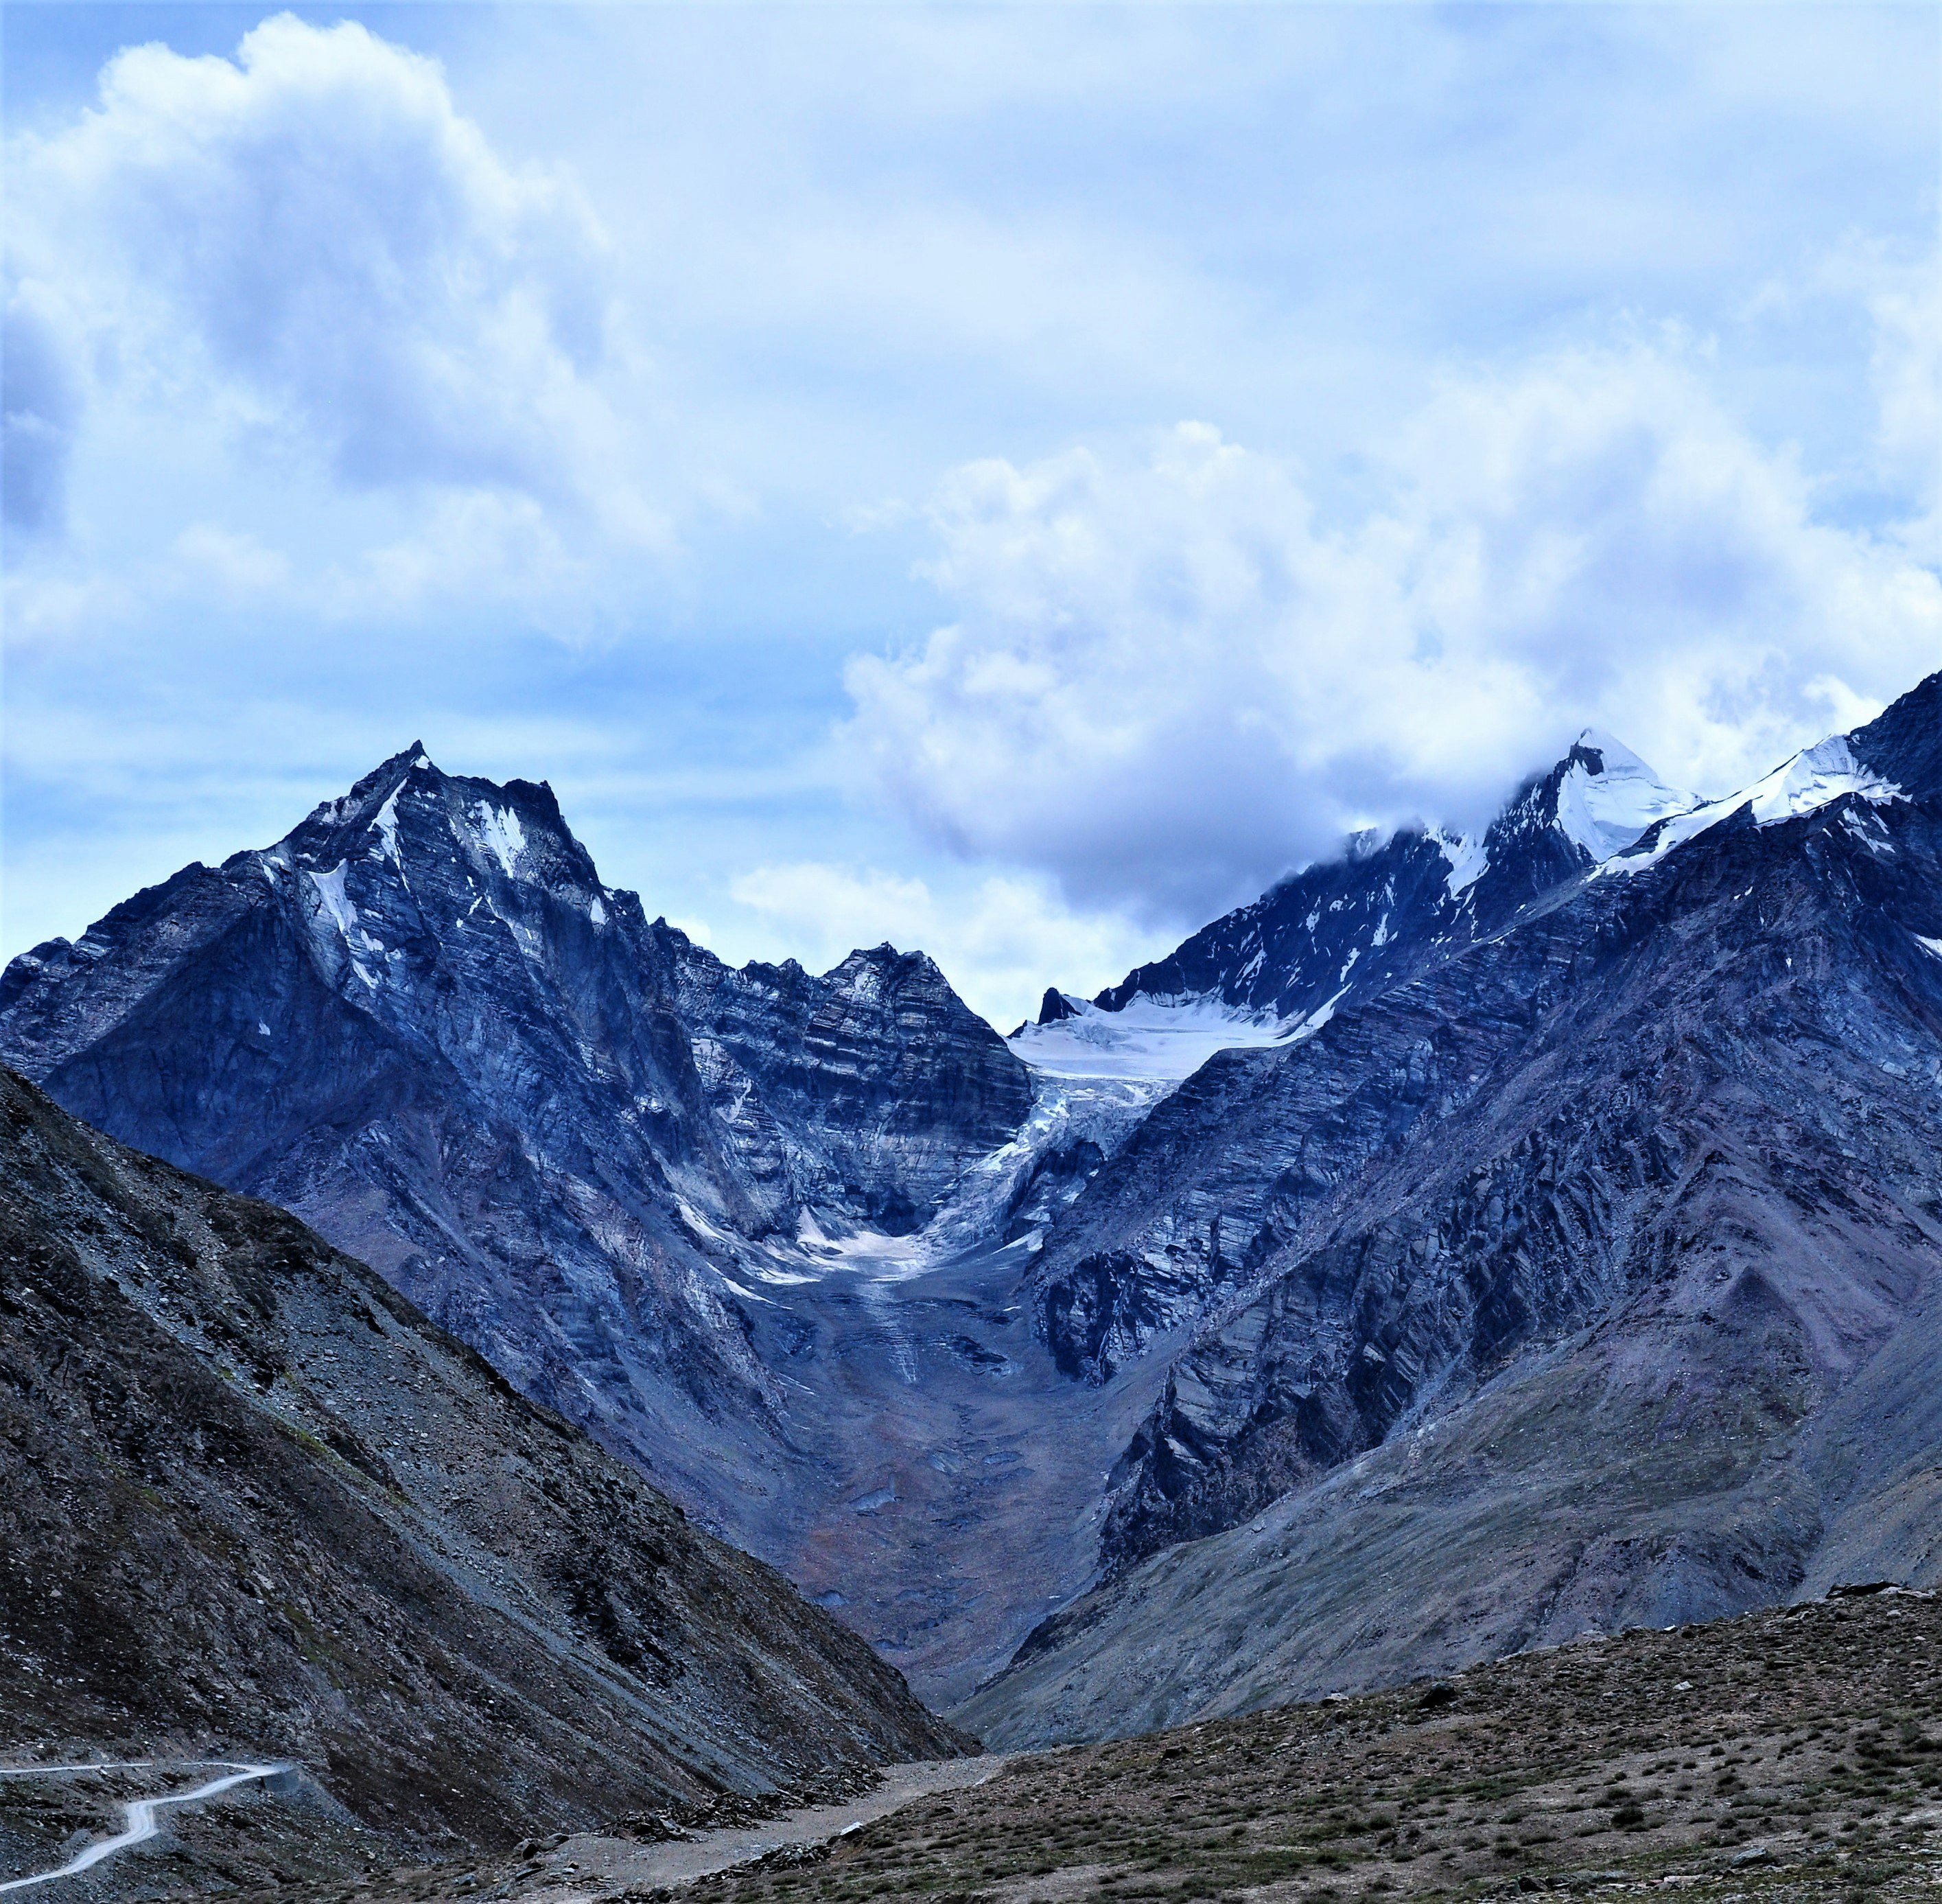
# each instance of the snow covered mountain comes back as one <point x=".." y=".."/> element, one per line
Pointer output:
<point x="1270" y="975"/>
<point x="1272" y="972"/>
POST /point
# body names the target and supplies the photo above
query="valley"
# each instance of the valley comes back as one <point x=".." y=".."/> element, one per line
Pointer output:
<point x="926" y="1503"/>
<point x="1472" y="1245"/>
<point x="1793" y="1755"/>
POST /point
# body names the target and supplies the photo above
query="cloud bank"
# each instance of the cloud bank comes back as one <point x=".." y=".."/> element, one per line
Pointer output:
<point x="1170" y="678"/>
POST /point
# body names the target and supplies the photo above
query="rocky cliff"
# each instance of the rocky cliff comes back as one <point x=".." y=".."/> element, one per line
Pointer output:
<point x="422" y="1022"/>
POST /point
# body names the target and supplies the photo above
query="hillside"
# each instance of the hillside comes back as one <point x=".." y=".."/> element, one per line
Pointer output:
<point x="1793" y="1755"/>
<point x="258" y="1505"/>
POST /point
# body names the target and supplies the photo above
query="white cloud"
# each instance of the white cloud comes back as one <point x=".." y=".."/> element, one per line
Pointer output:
<point x="237" y="564"/>
<point x="313" y="243"/>
<point x="41" y="405"/>
<point x="1167" y="681"/>
<point x="999" y="941"/>
<point x="1907" y="307"/>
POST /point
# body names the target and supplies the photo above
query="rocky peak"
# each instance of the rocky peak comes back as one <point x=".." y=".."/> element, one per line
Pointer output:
<point x="421" y="1020"/>
<point x="1389" y="905"/>
<point x="1596" y="801"/>
<point x="1903" y="744"/>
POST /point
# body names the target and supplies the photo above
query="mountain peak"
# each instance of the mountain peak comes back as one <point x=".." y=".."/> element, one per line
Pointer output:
<point x="1602" y="797"/>
<point x="1599" y="752"/>
<point x="1903" y="742"/>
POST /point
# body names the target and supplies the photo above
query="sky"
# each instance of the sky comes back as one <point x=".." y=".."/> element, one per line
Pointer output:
<point x="1011" y="481"/>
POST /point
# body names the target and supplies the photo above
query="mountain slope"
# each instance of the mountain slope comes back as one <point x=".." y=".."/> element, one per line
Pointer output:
<point x="422" y="1021"/>
<point x="1224" y="1168"/>
<point x="1580" y="1279"/>
<point x="256" y="1501"/>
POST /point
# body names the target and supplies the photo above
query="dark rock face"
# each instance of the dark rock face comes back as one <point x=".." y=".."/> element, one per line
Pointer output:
<point x="421" y="1021"/>
<point x="1054" y="1006"/>
<point x="1904" y="743"/>
<point x="1134" y="1260"/>
<point x="866" y="1091"/>
<point x="1301" y="943"/>
<point x="1688" y="1062"/>
<point x="255" y="1502"/>
<point x="1232" y="1166"/>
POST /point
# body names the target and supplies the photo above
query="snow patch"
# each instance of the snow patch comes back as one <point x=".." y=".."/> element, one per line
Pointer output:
<point x="387" y="824"/>
<point x="500" y="832"/>
<point x="330" y="890"/>
<point x="884" y="1259"/>
<point x="597" y="913"/>
<point x="1468" y="862"/>
<point x="1852" y="823"/>
<point x="1812" y="779"/>
<point x="1607" y="812"/>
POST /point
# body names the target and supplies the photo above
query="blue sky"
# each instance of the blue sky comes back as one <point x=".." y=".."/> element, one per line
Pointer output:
<point x="1009" y="480"/>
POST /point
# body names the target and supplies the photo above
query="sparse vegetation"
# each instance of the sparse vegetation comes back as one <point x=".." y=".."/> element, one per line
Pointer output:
<point x="1569" y="1771"/>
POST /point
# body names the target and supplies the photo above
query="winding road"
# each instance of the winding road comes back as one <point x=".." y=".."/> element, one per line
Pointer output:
<point x="141" y="1822"/>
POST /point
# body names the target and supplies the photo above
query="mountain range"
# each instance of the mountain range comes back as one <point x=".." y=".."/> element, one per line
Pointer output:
<point x="1470" y="1241"/>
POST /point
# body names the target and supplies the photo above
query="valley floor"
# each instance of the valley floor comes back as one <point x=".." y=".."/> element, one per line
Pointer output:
<point x="927" y="1505"/>
<point x="1794" y="1754"/>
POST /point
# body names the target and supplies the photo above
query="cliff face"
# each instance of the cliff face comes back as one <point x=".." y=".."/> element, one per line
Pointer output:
<point x="256" y="1501"/>
<point x="1730" y="1061"/>
<point x="865" y="1091"/>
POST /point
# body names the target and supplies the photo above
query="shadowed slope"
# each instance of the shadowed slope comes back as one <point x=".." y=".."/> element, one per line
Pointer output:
<point x="256" y="1501"/>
